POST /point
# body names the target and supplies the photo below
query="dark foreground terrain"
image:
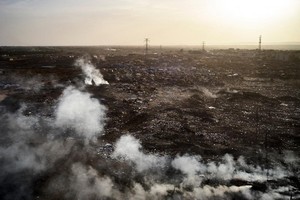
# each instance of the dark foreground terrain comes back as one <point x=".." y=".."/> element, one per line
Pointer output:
<point x="172" y="124"/>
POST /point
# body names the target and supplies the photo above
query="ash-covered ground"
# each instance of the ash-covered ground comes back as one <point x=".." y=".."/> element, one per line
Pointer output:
<point x="114" y="123"/>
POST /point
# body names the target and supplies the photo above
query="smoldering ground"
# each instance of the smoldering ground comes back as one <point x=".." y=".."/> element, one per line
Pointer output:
<point x="61" y="156"/>
<point x="92" y="75"/>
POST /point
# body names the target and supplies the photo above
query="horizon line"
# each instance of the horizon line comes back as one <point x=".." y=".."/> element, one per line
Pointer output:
<point x="141" y="44"/>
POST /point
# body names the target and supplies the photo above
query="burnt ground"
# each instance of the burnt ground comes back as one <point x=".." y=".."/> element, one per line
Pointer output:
<point x="175" y="102"/>
<point x="241" y="102"/>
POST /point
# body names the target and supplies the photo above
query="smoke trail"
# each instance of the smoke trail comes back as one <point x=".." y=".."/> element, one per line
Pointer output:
<point x="92" y="75"/>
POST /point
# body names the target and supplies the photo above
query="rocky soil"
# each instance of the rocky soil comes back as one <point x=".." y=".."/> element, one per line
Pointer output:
<point x="240" y="102"/>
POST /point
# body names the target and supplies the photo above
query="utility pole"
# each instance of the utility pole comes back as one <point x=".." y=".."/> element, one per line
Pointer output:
<point x="160" y="47"/>
<point x="203" y="44"/>
<point x="146" y="40"/>
<point x="259" y="43"/>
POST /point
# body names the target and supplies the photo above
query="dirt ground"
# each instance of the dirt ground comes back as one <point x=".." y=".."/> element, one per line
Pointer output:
<point x="174" y="101"/>
<point x="241" y="102"/>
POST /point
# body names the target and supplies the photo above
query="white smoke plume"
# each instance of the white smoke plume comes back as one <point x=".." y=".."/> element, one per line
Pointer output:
<point x="80" y="180"/>
<point x="33" y="144"/>
<point x="223" y="170"/>
<point x="208" y="93"/>
<point x="86" y="183"/>
<point x="20" y="123"/>
<point x="27" y="148"/>
<point x="219" y="192"/>
<point x="92" y="75"/>
<point x="80" y="112"/>
<point x="129" y="148"/>
<point x="191" y="167"/>
<point x="195" y="173"/>
<point x="21" y="156"/>
<point x="291" y="158"/>
<point x="158" y="191"/>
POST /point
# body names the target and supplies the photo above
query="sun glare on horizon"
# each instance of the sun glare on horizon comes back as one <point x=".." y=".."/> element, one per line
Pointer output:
<point x="254" y="11"/>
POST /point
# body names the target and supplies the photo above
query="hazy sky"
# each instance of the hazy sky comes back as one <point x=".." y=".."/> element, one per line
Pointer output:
<point x="165" y="22"/>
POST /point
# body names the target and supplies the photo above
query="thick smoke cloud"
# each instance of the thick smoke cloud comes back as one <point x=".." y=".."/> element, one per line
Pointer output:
<point x="26" y="151"/>
<point x="33" y="143"/>
<point x="77" y="111"/>
<point x="23" y="151"/>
